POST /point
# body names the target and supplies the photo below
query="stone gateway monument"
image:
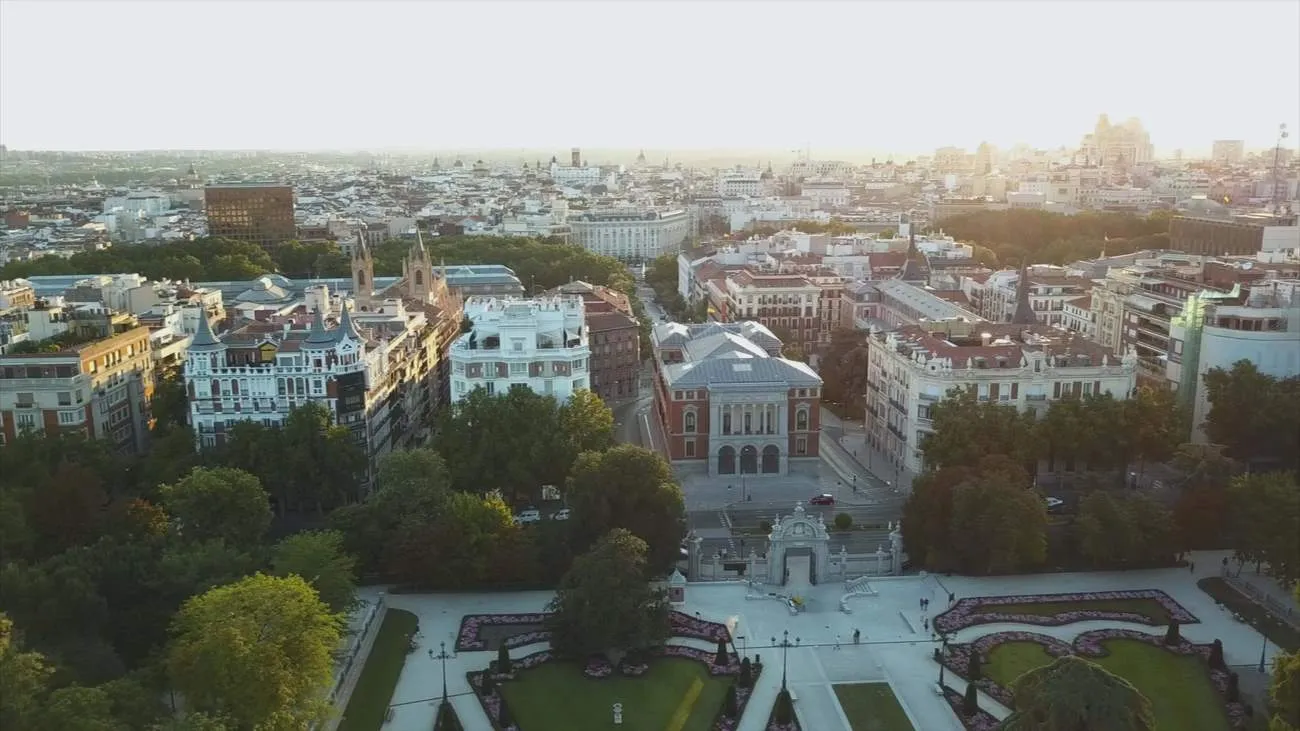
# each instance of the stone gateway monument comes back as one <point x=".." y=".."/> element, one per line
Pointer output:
<point x="798" y="534"/>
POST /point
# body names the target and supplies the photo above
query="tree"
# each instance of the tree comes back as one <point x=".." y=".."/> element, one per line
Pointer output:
<point x="998" y="524"/>
<point x="783" y="711"/>
<point x="322" y="461"/>
<point x="967" y="430"/>
<point x="23" y="676"/>
<point x="1157" y="424"/>
<point x="973" y="666"/>
<point x="456" y="548"/>
<point x="633" y="488"/>
<point x="586" y="422"/>
<point x="219" y="502"/>
<point x="1065" y="430"/>
<point x="927" y="518"/>
<point x="1172" y="636"/>
<point x="319" y="558"/>
<point x="1204" y="466"/>
<point x="1285" y="691"/>
<point x="970" y="704"/>
<point x="604" y="604"/>
<point x="170" y="405"/>
<point x="195" y="721"/>
<point x="1215" y="660"/>
<point x="843" y="369"/>
<point x="513" y="442"/>
<point x="1265" y="518"/>
<point x="746" y="678"/>
<point x="1255" y="415"/>
<point x="1072" y="693"/>
<point x="503" y="659"/>
<point x="408" y="483"/>
<point x="258" y="650"/>
<point x="69" y="510"/>
<point x="1200" y="518"/>
<point x="1106" y="530"/>
<point x="720" y="657"/>
<point x="78" y="708"/>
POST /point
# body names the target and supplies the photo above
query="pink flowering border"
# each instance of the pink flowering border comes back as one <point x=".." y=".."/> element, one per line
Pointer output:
<point x="468" y="639"/>
<point x="492" y="701"/>
<point x="981" y="721"/>
<point x="1088" y="644"/>
<point x="963" y="614"/>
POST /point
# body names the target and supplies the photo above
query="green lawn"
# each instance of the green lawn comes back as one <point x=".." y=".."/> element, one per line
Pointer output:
<point x="1144" y="607"/>
<point x="369" y="701"/>
<point x="1178" y="686"/>
<point x="871" y="707"/>
<point x="555" y="696"/>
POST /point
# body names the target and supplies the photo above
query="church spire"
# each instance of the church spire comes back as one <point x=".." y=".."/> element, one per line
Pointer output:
<point x="1024" y="310"/>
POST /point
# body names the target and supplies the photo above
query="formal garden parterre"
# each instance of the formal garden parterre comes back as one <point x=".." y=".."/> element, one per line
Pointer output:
<point x="1146" y="606"/>
<point x="679" y="686"/>
<point x="1002" y="657"/>
<point x="489" y="631"/>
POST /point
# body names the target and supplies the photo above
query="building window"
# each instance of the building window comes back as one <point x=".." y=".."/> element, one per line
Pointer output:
<point x="726" y="422"/>
<point x="71" y="417"/>
<point x="801" y="420"/>
<point x="518" y="369"/>
<point x="801" y="445"/>
<point x="491" y="387"/>
<point x="688" y="422"/>
<point x="690" y="447"/>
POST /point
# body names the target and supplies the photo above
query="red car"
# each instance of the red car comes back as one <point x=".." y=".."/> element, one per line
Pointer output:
<point x="823" y="499"/>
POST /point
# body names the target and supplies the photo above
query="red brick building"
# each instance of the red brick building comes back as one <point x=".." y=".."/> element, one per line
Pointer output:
<point x="724" y="396"/>
<point x="614" y="336"/>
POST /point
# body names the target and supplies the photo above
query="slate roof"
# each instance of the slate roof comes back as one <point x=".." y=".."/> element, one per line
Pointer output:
<point x="733" y="353"/>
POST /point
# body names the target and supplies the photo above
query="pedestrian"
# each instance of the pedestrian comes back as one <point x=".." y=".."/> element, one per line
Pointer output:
<point x="923" y="604"/>
<point x="952" y="598"/>
<point x="1191" y="567"/>
<point x="837" y="643"/>
<point x="857" y="636"/>
<point x="926" y="623"/>
<point x="430" y="653"/>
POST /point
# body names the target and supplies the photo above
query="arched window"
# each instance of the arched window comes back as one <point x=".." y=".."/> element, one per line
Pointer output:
<point x="234" y="388"/>
<point x="361" y="279"/>
<point x="216" y="388"/>
<point x="688" y="422"/>
<point x="801" y="420"/>
<point x="419" y="278"/>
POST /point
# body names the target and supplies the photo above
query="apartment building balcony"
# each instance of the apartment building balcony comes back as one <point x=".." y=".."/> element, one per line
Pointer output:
<point x="897" y="433"/>
<point x="898" y="405"/>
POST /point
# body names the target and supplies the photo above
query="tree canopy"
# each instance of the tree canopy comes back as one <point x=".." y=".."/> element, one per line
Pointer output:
<point x="632" y="488"/>
<point x="1265" y="520"/>
<point x="1052" y="238"/>
<point x="604" y="603"/>
<point x="219" y="503"/>
<point x="318" y="557"/>
<point x="519" y="441"/>
<point x="258" y="650"/>
<point x="1071" y="694"/>
<point x="1255" y="415"/>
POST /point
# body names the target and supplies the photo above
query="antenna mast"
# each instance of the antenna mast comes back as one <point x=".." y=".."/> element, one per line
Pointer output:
<point x="1279" y="186"/>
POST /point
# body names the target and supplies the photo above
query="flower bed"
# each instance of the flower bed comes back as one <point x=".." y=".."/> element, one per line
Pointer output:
<point x="599" y="667"/>
<point x="470" y="639"/>
<point x="975" y="610"/>
<point x="981" y="721"/>
<point x="1088" y="644"/>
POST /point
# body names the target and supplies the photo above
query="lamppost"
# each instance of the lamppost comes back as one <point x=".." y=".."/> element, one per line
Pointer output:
<point x="744" y="646"/>
<point x="785" y="646"/>
<point x="1262" y="650"/>
<point x="943" y="654"/>
<point x="443" y="656"/>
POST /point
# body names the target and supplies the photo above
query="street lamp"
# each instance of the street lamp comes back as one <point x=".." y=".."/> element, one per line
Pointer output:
<point x="443" y="656"/>
<point x="785" y="646"/>
<point x="943" y="654"/>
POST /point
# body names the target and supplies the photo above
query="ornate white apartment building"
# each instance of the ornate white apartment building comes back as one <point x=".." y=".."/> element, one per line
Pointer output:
<point x="540" y="343"/>
<point x="1028" y="366"/>
<point x="377" y="370"/>
<point x="631" y="234"/>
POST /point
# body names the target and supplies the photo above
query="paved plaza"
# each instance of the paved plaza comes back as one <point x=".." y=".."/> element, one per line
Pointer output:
<point x="894" y="645"/>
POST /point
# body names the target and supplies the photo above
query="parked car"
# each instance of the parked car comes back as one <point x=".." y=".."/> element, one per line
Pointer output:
<point x="561" y="514"/>
<point x="823" y="499"/>
<point x="531" y="515"/>
<point x="1053" y="502"/>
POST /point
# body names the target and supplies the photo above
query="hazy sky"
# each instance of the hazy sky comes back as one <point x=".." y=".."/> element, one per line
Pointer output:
<point x="621" y="74"/>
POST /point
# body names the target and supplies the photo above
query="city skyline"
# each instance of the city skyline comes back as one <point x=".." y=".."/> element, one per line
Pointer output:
<point x="629" y="75"/>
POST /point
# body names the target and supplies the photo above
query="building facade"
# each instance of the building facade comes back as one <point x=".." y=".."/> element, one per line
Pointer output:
<point x="1027" y="366"/>
<point x="102" y="389"/>
<point x="261" y="213"/>
<point x="630" y="234"/>
<point x="614" y="336"/>
<point x="789" y="303"/>
<point x="725" y="399"/>
<point x="539" y="343"/>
